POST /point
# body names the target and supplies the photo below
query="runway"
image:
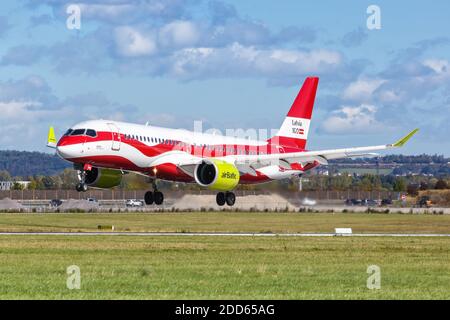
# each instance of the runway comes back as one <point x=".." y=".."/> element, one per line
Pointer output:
<point x="219" y="234"/>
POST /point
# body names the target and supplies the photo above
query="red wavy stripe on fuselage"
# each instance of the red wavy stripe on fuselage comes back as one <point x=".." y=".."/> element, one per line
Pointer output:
<point x="168" y="171"/>
<point x="157" y="149"/>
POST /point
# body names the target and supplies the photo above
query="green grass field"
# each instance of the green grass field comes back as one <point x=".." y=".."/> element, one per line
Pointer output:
<point x="120" y="267"/>
<point x="147" y="267"/>
<point x="228" y="222"/>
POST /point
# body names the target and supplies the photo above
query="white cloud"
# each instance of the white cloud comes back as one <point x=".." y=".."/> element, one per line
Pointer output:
<point x="249" y="61"/>
<point x="14" y="110"/>
<point x="308" y="61"/>
<point x="351" y="120"/>
<point x="24" y="124"/>
<point x="28" y="107"/>
<point x="438" y="66"/>
<point x="362" y="89"/>
<point x="390" y="96"/>
<point x="106" y="11"/>
<point x="179" y="34"/>
<point x="132" y="43"/>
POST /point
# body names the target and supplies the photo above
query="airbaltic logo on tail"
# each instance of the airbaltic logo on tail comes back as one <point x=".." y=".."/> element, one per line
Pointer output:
<point x="228" y="175"/>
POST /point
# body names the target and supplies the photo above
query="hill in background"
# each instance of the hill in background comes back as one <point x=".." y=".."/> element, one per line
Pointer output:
<point x="24" y="163"/>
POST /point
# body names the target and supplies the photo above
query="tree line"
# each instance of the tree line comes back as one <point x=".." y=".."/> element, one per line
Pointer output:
<point x="58" y="175"/>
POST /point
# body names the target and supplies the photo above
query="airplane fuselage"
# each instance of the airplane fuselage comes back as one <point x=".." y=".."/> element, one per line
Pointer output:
<point x="157" y="152"/>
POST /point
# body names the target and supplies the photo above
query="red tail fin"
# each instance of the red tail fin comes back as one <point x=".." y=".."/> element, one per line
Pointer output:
<point x="294" y="130"/>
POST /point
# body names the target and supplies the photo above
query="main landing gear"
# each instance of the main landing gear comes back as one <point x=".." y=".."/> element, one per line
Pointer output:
<point x="156" y="196"/>
<point x="228" y="197"/>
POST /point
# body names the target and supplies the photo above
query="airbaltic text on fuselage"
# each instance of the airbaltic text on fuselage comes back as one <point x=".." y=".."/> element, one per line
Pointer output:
<point x="228" y="175"/>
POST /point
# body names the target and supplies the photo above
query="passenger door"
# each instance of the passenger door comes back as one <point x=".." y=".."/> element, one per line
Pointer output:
<point x="116" y="140"/>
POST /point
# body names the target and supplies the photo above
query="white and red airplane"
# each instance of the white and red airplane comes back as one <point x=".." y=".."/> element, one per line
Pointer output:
<point x="103" y="150"/>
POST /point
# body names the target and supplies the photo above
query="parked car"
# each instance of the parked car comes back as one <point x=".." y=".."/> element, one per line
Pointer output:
<point x="91" y="200"/>
<point x="134" y="203"/>
<point x="55" y="202"/>
<point x="386" y="202"/>
<point x="369" y="202"/>
<point x="353" y="202"/>
<point x="309" y="202"/>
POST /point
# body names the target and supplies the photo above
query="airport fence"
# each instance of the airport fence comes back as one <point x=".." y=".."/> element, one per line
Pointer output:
<point x="139" y="194"/>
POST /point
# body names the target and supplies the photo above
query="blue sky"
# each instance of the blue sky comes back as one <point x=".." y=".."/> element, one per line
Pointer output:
<point x="231" y="64"/>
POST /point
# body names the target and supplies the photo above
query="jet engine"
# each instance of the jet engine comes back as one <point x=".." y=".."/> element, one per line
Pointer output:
<point x="103" y="178"/>
<point x="216" y="175"/>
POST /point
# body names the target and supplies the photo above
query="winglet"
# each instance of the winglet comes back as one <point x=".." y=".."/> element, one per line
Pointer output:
<point x="51" y="139"/>
<point x="403" y="140"/>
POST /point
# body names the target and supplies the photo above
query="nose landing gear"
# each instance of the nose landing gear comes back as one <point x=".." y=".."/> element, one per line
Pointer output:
<point x="156" y="196"/>
<point x="81" y="186"/>
<point x="228" y="197"/>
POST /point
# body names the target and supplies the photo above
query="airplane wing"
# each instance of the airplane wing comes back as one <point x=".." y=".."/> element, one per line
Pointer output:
<point x="321" y="156"/>
<point x="250" y="163"/>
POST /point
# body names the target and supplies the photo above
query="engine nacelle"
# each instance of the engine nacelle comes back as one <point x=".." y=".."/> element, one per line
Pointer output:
<point x="216" y="175"/>
<point x="103" y="178"/>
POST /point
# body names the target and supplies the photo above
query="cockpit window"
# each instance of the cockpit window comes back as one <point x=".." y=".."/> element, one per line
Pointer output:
<point x="68" y="132"/>
<point x="78" y="132"/>
<point x="91" y="133"/>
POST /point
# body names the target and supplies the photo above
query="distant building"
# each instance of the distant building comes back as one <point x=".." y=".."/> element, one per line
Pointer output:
<point x="8" y="185"/>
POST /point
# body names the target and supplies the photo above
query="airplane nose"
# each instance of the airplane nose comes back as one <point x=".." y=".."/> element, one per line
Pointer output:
<point x="65" y="149"/>
<point x="61" y="151"/>
<point x="68" y="151"/>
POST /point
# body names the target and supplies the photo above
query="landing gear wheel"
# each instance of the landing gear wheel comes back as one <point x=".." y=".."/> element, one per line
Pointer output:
<point x="230" y="198"/>
<point x="148" y="198"/>
<point x="220" y="199"/>
<point x="81" y="187"/>
<point x="158" y="197"/>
